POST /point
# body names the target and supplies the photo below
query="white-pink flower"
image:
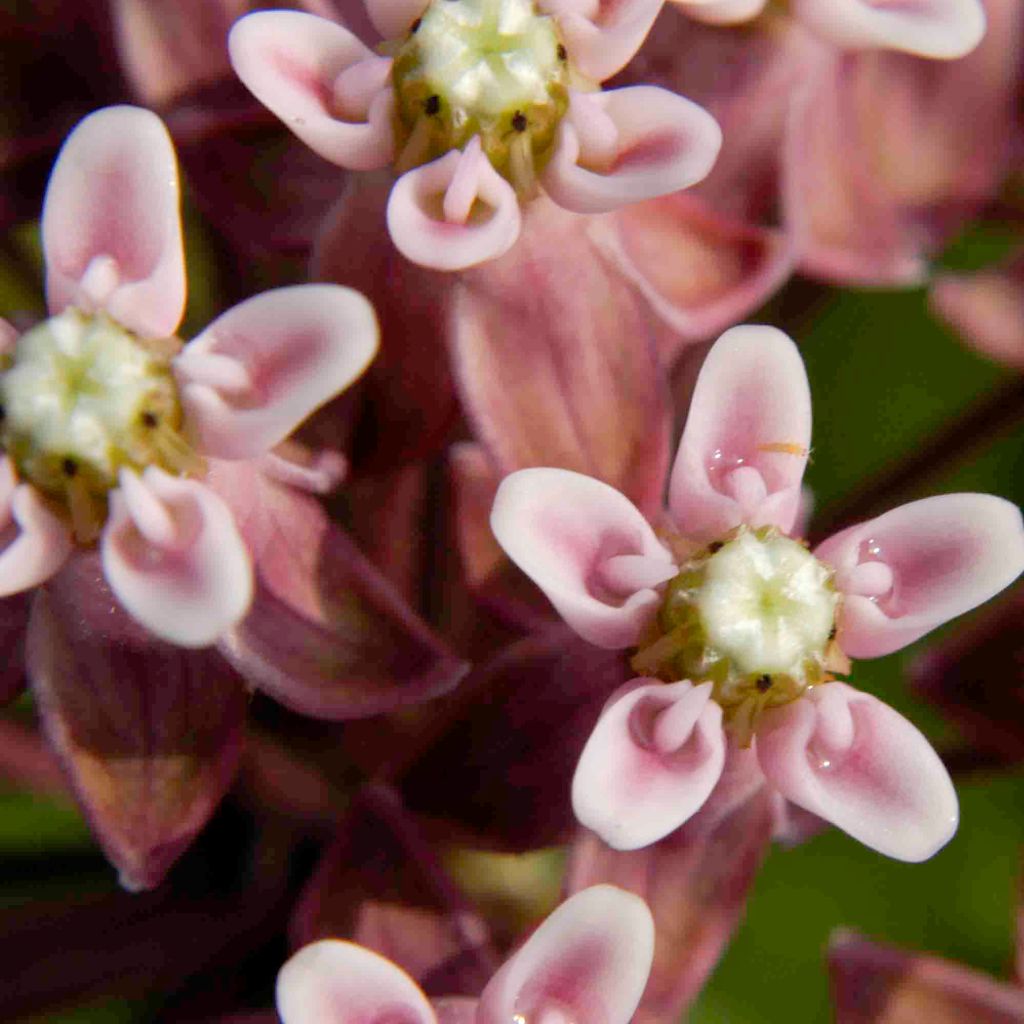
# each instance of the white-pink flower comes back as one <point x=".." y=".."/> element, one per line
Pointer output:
<point x="109" y="423"/>
<point x="589" y="961"/>
<point x="739" y="630"/>
<point x="479" y="104"/>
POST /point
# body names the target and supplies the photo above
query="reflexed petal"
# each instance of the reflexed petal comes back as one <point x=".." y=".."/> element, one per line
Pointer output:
<point x="480" y="219"/>
<point x="859" y="764"/>
<point x="650" y="763"/>
<point x="944" y="29"/>
<point x="148" y="733"/>
<point x="986" y="309"/>
<point x="326" y="635"/>
<point x="175" y="559"/>
<point x="333" y="982"/>
<point x="602" y="37"/>
<point x="662" y="143"/>
<point x="292" y="350"/>
<point x="722" y="12"/>
<point x="874" y="984"/>
<point x="111" y="227"/>
<point x="291" y="62"/>
<point x="589" y="961"/>
<point x="551" y="346"/>
<point x="561" y="528"/>
<point x="695" y="882"/>
<point x="945" y="554"/>
<point x="701" y="271"/>
<point x="744" y="447"/>
<point x="43" y="541"/>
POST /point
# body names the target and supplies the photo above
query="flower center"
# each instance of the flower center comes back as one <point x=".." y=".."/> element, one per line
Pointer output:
<point x="81" y="398"/>
<point x="493" y="68"/>
<point x="755" y="614"/>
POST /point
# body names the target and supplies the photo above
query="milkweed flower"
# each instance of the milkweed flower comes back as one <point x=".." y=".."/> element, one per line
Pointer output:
<point x="109" y="420"/>
<point x="740" y="630"/>
<point x="588" y="961"/>
<point x="478" y="105"/>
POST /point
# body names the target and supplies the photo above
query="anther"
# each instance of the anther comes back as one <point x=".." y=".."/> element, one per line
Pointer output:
<point x="563" y="53"/>
<point x="432" y="105"/>
<point x="715" y="545"/>
<point x="69" y="468"/>
<point x="519" y="121"/>
<point x="763" y="684"/>
<point x="832" y="633"/>
<point x="150" y="419"/>
<point x="415" y="25"/>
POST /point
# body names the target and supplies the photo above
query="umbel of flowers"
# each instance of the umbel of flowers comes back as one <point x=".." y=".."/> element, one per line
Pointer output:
<point x="739" y="631"/>
<point x="109" y="420"/>
<point x="478" y="105"/>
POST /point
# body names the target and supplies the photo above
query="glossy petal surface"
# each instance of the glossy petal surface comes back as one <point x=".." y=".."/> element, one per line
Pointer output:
<point x="562" y="529"/>
<point x="651" y="762"/>
<point x="745" y="444"/>
<point x="855" y="762"/>
<point x="111" y="228"/>
<point x="943" y="555"/>
<point x="265" y="365"/>
<point x="588" y="961"/>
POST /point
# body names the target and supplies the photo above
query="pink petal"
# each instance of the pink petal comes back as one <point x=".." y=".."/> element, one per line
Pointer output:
<point x="650" y="764"/>
<point x="263" y="366"/>
<point x="332" y="982"/>
<point x="291" y="62"/>
<point x="42" y="543"/>
<point x="465" y="183"/>
<point x="551" y="346"/>
<point x="326" y="635"/>
<point x="148" y="733"/>
<point x="945" y="555"/>
<point x="602" y="37"/>
<point x="700" y="271"/>
<point x="662" y="143"/>
<point x="875" y="984"/>
<point x="859" y="764"/>
<point x="943" y="29"/>
<point x="13" y="619"/>
<point x="744" y="447"/>
<point x="986" y="309"/>
<point x="722" y="12"/>
<point x="696" y="893"/>
<point x="174" y="558"/>
<point x="588" y="961"/>
<point x="456" y="1010"/>
<point x="111" y="228"/>
<point x="561" y="528"/>
<point x="393" y="18"/>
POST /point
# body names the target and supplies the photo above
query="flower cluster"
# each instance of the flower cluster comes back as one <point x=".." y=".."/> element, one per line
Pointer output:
<point x="542" y="692"/>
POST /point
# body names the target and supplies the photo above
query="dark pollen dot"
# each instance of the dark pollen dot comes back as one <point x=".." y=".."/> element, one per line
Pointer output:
<point x="415" y="25"/>
<point x="432" y="104"/>
<point x="832" y="633"/>
<point x="715" y="545"/>
<point x="519" y="121"/>
<point x="764" y="684"/>
<point x="150" y="419"/>
<point x="563" y="53"/>
<point x="69" y="467"/>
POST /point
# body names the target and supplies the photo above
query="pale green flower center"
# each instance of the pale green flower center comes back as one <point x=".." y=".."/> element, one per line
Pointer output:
<point x="493" y="68"/>
<point x="83" y="397"/>
<point x="755" y="614"/>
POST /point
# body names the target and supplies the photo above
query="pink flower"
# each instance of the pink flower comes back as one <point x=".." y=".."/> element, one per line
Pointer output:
<point x="107" y="424"/>
<point x="941" y="29"/>
<point x="588" y="961"/>
<point x="149" y="501"/>
<point x="739" y="629"/>
<point x="478" y="106"/>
